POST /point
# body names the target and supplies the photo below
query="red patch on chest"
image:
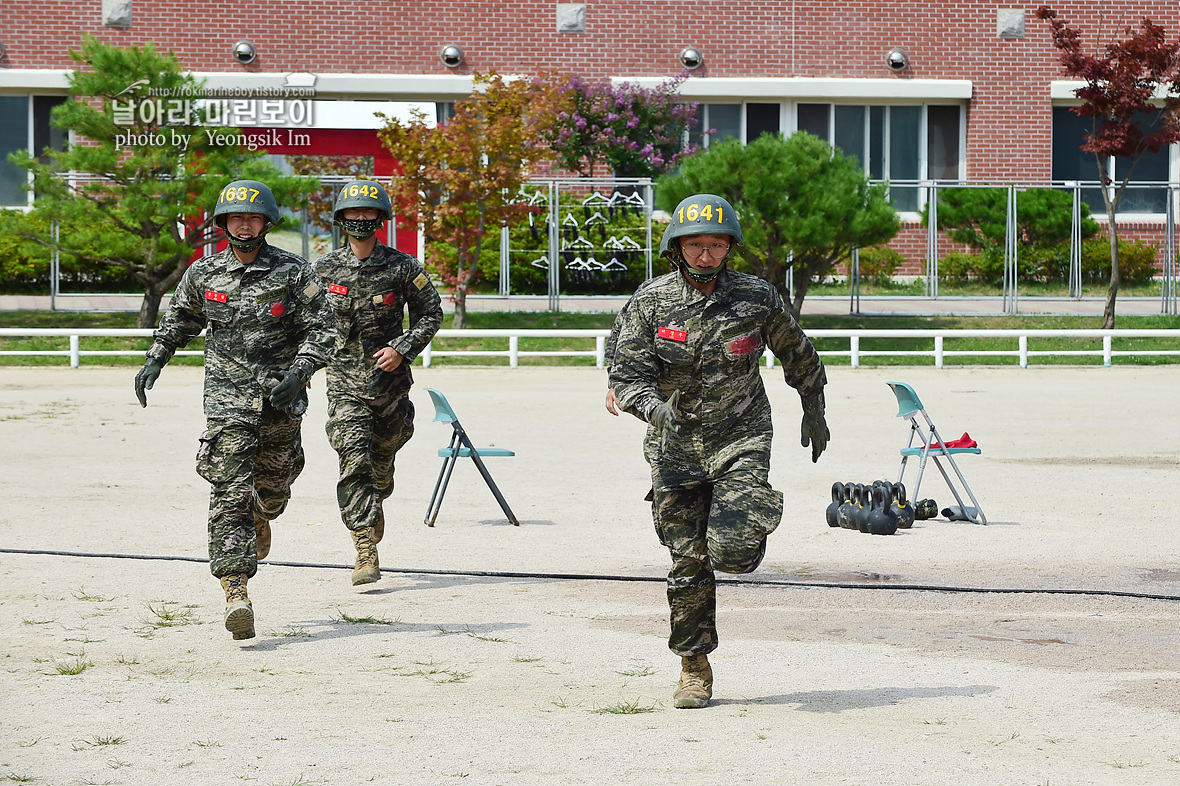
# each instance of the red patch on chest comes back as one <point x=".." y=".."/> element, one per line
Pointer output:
<point x="278" y="309"/>
<point x="744" y="345"/>
<point x="672" y="335"/>
<point x="389" y="298"/>
<point x="216" y="297"/>
<point x="336" y="289"/>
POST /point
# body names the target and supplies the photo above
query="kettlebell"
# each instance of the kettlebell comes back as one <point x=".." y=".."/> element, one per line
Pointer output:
<point x="833" y="508"/>
<point x="844" y="512"/>
<point x="862" y="501"/>
<point x="880" y="518"/>
<point x="902" y="508"/>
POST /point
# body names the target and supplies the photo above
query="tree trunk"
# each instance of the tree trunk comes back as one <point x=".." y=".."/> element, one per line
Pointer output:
<point x="796" y="305"/>
<point x="149" y="307"/>
<point x="460" y="297"/>
<point x="1113" y="290"/>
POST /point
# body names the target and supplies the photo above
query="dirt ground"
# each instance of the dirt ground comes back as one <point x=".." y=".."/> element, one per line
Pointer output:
<point x="117" y="669"/>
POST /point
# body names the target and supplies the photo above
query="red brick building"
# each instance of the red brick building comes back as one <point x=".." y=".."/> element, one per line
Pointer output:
<point x="922" y="90"/>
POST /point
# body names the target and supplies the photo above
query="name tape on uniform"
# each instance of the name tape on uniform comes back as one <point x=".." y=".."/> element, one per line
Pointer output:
<point x="672" y="335"/>
<point x="216" y="297"/>
<point x="337" y="289"/>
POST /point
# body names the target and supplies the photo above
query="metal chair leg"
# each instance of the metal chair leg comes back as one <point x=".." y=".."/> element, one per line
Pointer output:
<point x="487" y="476"/>
<point x="444" y="478"/>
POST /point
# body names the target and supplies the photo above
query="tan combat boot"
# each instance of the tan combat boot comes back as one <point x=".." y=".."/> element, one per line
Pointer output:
<point x="696" y="683"/>
<point x="262" y="530"/>
<point x="239" y="613"/>
<point x="367" y="569"/>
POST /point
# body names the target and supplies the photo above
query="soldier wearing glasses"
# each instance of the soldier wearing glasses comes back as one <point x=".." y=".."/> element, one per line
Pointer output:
<point x="687" y="362"/>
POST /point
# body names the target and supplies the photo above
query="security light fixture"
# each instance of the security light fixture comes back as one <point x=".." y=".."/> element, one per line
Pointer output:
<point x="451" y="56"/>
<point x="691" y="58"/>
<point x="244" y="52"/>
<point x="897" y="60"/>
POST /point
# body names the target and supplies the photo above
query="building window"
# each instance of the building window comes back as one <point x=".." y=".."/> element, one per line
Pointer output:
<point x="24" y="125"/>
<point x="1071" y="163"/>
<point x="725" y="121"/>
<point x="762" y="119"/>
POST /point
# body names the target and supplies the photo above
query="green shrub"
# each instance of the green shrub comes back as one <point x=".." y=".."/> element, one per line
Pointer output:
<point x="1136" y="261"/>
<point x="879" y="264"/>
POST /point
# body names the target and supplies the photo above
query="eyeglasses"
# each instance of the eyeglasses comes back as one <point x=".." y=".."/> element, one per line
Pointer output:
<point x="715" y="250"/>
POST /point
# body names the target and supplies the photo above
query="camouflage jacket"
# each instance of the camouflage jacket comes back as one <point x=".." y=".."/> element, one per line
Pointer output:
<point x="369" y="298"/>
<point x="673" y="337"/>
<point x="261" y="319"/>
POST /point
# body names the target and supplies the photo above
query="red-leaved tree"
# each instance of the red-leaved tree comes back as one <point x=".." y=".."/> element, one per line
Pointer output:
<point x="1122" y="98"/>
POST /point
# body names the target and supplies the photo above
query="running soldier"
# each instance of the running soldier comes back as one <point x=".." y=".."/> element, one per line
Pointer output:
<point x="370" y="415"/>
<point x="687" y="362"/>
<point x="269" y="330"/>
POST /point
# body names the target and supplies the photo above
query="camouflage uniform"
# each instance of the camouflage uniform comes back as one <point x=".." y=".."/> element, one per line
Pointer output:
<point x="262" y="319"/>
<point x="370" y="415"/>
<point x="713" y="507"/>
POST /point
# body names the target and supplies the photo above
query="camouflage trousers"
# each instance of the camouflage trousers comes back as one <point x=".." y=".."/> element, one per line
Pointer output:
<point x="717" y="525"/>
<point x="367" y="434"/>
<point x="251" y="469"/>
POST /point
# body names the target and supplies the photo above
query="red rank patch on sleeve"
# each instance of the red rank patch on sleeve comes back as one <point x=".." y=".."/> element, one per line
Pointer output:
<point x="673" y="335"/>
<point x="216" y="297"/>
<point x="389" y="299"/>
<point x="745" y="345"/>
<point x="278" y="309"/>
<point x="336" y="289"/>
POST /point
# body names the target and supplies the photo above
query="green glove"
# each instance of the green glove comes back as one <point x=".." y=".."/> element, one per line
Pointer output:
<point x="287" y="388"/>
<point x="814" y="429"/>
<point x="663" y="417"/>
<point x="147" y="377"/>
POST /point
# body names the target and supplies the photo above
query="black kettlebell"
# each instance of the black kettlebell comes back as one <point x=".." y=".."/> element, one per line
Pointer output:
<point x="844" y="513"/>
<point x="902" y="508"/>
<point x="862" y="500"/>
<point x="833" y="508"/>
<point x="880" y="518"/>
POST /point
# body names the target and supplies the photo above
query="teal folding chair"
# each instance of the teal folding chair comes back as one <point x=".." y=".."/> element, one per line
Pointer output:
<point x="910" y="406"/>
<point x="460" y="447"/>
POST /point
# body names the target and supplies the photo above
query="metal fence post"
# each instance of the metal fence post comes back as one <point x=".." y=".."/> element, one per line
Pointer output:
<point x="1075" y="243"/>
<point x="853" y="281"/>
<point x="854" y="351"/>
<point x="75" y="355"/>
<point x="554" y="259"/>
<point x="426" y="353"/>
<point x="1024" y="351"/>
<point x="649" y="199"/>
<point x="54" y="265"/>
<point x="1106" y="353"/>
<point x="932" y="241"/>
<point x="938" y="352"/>
<point x="513" y="351"/>
<point x="1010" y="258"/>
<point x="504" y="262"/>
<point x="1168" y="290"/>
<point x="599" y="351"/>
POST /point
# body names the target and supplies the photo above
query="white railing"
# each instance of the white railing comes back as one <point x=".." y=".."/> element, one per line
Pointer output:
<point x="854" y="352"/>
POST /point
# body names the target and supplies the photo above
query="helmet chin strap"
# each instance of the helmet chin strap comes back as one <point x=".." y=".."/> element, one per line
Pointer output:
<point x="700" y="276"/>
<point x="245" y="245"/>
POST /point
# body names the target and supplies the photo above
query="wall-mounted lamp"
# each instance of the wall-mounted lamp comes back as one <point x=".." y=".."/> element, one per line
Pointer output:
<point x="691" y="58"/>
<point x="897" y="60"/>
<point x="451" y="56"/>
<point x="244" y="52"/>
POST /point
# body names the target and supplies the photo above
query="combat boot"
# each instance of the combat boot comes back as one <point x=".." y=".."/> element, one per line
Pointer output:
<point x="239" y="613"/>
<point x="262" y="530"/>
<point x="367" y="569"/>
<point x="696" y="683"/>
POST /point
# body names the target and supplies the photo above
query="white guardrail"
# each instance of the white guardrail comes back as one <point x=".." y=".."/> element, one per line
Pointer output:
<point x="938" y="353"/>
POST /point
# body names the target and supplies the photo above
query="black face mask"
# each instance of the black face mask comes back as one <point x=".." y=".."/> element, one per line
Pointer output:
<point x="361" y="228"/>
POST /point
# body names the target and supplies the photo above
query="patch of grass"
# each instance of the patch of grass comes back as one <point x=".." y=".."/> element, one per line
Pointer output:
<point x="98" y="742"/>
<point x="163" y="699"/>
<point x="30" y="743"/>
<point x="82" y="594"/>
<point x="1120" y="765"/>
<point x="626" y="708"/>
<point x="36" y="622"/>
<point x="125" y="661"/>
<point x="345" y="617"/>
<point x="1009" y="738"/>
<point x="467" y="631"/>
<point x="288" y="633"/>
<point x="521" y="659"/>
<point x="564" y="704"/>
<point x="167" y="615"/>
<point x="638" y="670"/>
<point x="70" y="669"/>
<point x="935" y="722"/>
<point x="210" y="743"/>
<point x="12" y="776"/>
<point x="116" y="764"/>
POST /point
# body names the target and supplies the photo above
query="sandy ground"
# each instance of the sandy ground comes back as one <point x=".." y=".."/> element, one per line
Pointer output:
<point x="427" y="678"/>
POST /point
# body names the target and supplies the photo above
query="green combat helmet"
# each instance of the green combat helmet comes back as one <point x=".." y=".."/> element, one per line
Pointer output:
<point x="699" y="214"/>
<point x="362" y="193"/>
<point x="246" y="196"/>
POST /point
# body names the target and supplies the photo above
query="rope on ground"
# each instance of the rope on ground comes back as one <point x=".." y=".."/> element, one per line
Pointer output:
<point x="501" y="574"/>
